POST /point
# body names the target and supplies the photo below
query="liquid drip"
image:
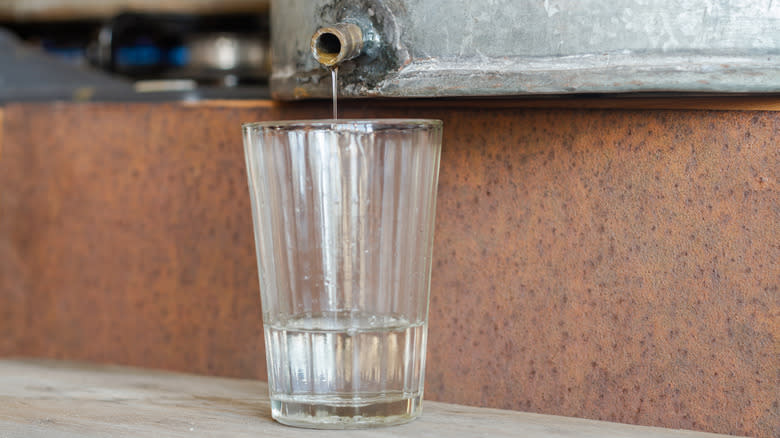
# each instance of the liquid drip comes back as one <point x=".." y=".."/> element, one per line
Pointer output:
<point x="334" y="76"/>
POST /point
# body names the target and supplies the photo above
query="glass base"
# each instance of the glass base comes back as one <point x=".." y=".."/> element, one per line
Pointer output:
<point x="345" y="413"/>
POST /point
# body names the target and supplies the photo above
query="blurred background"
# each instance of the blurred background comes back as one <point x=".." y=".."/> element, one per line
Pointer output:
<point x="133" y="49"/>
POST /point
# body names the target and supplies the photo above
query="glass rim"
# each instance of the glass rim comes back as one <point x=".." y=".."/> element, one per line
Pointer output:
<point x="345" y="124"/>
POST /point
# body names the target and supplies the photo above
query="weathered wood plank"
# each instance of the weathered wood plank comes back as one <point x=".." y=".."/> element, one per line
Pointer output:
<point x="64" y="400"/>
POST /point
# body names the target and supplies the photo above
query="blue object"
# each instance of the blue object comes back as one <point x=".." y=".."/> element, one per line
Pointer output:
<point x="138" y="56"/>
<point x="178" y="56"/>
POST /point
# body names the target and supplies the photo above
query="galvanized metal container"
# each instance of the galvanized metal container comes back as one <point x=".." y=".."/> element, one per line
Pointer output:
<point x="431" y="48"/>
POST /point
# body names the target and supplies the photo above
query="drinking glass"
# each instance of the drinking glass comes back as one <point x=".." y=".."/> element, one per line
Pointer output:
<point x="343" y="214"/>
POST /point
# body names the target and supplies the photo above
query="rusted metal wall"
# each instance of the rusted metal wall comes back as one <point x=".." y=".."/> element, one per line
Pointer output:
<point x="612" y="264"/>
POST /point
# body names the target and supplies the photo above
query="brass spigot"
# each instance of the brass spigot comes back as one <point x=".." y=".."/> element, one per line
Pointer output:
<point x="332" y="45"/>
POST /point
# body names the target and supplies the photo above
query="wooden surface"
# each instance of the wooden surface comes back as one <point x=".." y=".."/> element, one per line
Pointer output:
<point x="64" y="400"/>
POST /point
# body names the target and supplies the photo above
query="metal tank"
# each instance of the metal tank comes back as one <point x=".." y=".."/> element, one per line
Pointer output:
<point x="435" y="48"/>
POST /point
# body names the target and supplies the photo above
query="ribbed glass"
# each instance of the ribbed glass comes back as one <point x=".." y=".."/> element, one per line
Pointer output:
<point x="344" y="215"/>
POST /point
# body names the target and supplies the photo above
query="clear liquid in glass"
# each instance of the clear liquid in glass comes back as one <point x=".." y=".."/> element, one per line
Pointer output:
<point x="345" y="369"/>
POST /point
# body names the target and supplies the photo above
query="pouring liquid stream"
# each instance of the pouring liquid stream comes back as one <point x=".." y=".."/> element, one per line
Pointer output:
<point x="334" y="76"/>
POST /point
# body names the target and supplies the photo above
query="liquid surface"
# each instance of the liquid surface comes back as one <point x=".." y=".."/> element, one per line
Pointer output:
<point x="344" y="368"/>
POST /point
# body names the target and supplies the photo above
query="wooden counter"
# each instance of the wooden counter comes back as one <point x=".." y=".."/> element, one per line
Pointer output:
<point x="63" y="400"/>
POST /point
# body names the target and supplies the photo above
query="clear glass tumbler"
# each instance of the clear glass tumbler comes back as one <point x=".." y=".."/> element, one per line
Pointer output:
<point x="343" y="217"/>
